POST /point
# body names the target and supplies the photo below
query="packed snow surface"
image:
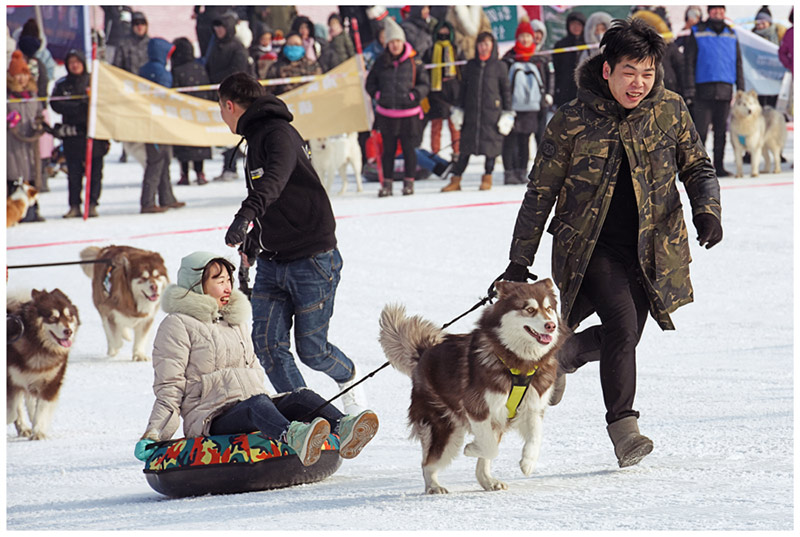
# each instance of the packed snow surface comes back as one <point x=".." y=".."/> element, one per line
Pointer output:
<point x="716" y="395"/>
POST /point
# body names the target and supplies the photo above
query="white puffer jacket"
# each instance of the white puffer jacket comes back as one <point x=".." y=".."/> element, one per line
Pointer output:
<point x="204" y="362"/>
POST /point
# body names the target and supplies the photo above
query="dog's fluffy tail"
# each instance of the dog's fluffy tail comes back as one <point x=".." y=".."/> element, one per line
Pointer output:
<point x="404" y="339"/>
<point x="89" y="254"/>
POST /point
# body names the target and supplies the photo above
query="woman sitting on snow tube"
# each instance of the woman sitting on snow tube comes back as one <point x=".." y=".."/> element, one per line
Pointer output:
<point x="206" y="372"/>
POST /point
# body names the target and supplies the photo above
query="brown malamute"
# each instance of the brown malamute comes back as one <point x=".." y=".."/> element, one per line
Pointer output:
<point x="498" y="377"/>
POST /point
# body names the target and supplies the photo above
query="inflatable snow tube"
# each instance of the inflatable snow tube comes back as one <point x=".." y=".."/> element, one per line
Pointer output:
<point x="227" y="464"/>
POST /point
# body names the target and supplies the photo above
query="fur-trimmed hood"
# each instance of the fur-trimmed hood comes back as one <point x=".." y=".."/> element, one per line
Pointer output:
<point x="593" y="88"/>
<point x="204" y="308"/>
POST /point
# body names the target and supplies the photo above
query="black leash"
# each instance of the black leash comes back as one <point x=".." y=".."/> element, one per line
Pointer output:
<point x="490" y="295"/>
<point x="106" y="261"/>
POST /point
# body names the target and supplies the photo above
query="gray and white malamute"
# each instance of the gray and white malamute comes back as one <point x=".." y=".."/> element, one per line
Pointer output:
<point x="758" y="130"/>
<point x="496" y="378"/>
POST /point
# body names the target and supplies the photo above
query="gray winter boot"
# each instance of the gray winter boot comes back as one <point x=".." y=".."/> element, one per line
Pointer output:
<point x="629" y="446"/>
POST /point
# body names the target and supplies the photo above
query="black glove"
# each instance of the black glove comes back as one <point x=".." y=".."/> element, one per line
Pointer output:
<point x="709" y="229"/>
<point x="237" y="232"/>
<point x="516" y="273"/>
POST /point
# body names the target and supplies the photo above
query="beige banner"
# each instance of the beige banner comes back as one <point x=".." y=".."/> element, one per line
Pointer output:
<point x="132" y="109"/>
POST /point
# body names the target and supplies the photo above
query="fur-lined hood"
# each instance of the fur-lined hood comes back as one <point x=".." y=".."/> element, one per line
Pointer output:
<point x="593" y="88"/>
<point x="203" y="307"/>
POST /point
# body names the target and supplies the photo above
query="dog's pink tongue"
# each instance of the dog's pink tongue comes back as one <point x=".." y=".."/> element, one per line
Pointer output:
<point x="545" y="339"/>
<point x="65" y="342"/>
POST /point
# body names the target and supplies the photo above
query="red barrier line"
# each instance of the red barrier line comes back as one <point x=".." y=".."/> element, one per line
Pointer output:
<point x="380" y="213"/>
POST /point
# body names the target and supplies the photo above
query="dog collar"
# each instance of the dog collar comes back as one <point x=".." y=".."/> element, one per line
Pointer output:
<point x="519" y="386"/>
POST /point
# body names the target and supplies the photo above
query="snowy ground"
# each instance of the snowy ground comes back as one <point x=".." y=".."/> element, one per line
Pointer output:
<point x="716" y="396"/>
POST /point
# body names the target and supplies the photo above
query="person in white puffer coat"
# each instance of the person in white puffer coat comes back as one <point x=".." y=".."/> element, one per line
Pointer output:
<point x="207" y="373"/>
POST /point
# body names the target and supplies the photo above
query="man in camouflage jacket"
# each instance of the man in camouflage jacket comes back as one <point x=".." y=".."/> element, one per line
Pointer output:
<point x="608" y="161"/>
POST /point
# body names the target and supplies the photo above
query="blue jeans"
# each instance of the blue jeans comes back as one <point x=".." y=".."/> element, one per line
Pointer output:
<point x="300" y="291"/>
<point x="272" y="416"/>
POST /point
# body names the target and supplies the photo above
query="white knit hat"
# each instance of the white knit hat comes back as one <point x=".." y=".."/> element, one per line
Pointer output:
<point x="393" y="30"/>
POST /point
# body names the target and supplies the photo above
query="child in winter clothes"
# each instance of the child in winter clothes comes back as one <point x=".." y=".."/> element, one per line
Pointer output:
<point x="22" y="129"/>
<point x="188" y="71"/>
<point x="340" y="47"/>
<point x="398" y="82"/>
<point x="74" y="116"/>
<point x="485" y="111"/>
<point x="206" y="372"/>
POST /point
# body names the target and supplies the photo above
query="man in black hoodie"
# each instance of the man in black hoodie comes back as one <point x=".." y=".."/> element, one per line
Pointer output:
<point x="293" y="238"/>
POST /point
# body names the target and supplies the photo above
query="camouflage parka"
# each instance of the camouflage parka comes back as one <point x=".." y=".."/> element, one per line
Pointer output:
<point x="576" y="169"/>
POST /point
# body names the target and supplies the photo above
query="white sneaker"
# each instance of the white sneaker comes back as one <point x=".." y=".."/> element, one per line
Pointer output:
<point x="307" y="439"/>
<point x="355" y="432"/>
<point x="354" y="401"/>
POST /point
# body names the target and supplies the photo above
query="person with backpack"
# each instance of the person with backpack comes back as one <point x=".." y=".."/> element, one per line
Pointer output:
<point x="527" y="100"/>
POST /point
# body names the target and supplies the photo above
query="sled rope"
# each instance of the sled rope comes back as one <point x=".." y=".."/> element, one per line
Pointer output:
<point x="491" y="295"/>
<point x="106" y="261"/>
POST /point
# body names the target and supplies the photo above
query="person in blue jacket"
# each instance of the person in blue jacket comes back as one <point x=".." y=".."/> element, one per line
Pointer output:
<point x="713" y="66"/>
<point x="156" y="171"/>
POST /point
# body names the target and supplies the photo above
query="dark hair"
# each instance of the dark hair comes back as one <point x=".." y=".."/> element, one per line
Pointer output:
<point x="241" y="88"/>
<point x="220" y="262"/>
<point x="335" y="16"/>
<point x="634" y="39"/>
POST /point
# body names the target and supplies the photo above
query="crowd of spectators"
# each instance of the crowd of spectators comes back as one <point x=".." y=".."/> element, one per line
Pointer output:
<point x="435" y="64"/>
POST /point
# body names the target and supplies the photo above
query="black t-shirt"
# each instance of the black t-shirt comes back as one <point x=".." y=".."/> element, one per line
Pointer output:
<point x="621" y="226"/>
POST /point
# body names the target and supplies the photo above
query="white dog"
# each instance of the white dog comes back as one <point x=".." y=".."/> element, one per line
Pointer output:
<point x="757" y="131"/>
<point x="332" y="154"/>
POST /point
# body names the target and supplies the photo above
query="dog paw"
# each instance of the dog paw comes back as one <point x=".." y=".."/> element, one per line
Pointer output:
<point x="38" y="435"/>
<point x="141" y="358"/>
<point x="493" y="484"/>
<point x="112" y="352"/>
<point x="527" y="466"/>
<point x="436" y="489"/>
<point x="23" y="431"/>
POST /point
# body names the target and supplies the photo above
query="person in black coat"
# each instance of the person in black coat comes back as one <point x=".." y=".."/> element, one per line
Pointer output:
<point x="564" y="63"/>
<point x="293" y="238"/>
<point x="74" y="117"/>
<point x="398" y="82"/>
<point x="188" y="71"/>
<point x="226" y="56"/>
<point x="485" y="106"/>
<point x="445" y="85"/>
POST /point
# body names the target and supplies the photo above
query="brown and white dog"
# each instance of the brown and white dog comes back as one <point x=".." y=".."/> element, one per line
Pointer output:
<point x="38" y="359"/>
<point x="465" y="383"/>
<point x="18" y="203"/>
<point x="126" y="292"/>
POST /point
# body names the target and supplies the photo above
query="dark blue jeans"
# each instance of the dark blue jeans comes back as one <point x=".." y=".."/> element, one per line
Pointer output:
<point x="300" y="292"/>
<point x="272" y="416"/>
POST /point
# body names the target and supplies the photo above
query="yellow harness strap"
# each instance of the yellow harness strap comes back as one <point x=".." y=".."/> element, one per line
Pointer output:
<point x="519" y="386"/>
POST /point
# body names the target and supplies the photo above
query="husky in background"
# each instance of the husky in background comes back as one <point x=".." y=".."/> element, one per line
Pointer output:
<point x="37" y="359"/>
<point x="126" y="292"/>
<point x="758" y="131"/>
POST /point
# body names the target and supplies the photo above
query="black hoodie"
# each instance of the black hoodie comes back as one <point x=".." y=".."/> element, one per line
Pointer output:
<point x="290" y="210"/>
<point x="74" y="112"/>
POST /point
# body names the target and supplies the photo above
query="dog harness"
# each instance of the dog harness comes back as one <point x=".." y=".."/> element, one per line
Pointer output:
<point x="519" y="387"/>
<point x="742" y="139"/>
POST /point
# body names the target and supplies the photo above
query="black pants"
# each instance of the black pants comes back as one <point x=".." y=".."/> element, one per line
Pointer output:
<point x="516" y="151"/>
<point x="198" y="166"/>
<point x="407" y="143"/>
<point x="75" y="153"/>
<point x="715" y="114"/>
<point x="463" y="160"/>
<point x="612" y="286"/>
